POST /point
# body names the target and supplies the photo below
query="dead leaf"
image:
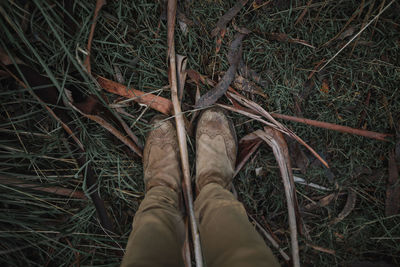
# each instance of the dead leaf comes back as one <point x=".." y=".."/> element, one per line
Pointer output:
<point x="234" y="56"/>
<point x="325" y="86"/>
<point x="299" y="157"/>
<point x="99" y="5"/>
<point x="158" y="103"/>
<point x="181" y="62"/>
<point x="227" y="17"/>
<point x="346" y="33"/>
<point x="283" y="37"/>
<point x="325" y="250"/>
<point x="348" y="207"/>
<point x="323" y="202"/>
<point x="302" y="181"/>
<point x="218" y="42"/>
<point x="248" y="145"/>
<point x="392" y="202"/>
<point x="244" y="84"/>
<point x="183" y="26"/>
<point x="335" y="127"/>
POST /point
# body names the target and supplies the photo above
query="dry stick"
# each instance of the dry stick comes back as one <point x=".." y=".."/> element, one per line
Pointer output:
<point x="270" y="238"/>
<point x="99" y="4"/>
<point x="111" y="129"/>
<point x="61" y="191"/>
<point x="335" y="127"/>
<point x="128" y="142"/>
<point x="303" y="13"/>
<point x="180" y="125"/>
<point x="355" y="36"/>
<point x="276" y="141"/>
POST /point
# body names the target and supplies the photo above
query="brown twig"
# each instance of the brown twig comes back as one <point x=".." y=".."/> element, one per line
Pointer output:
<point x="61" y="191"/>
<point x="300" y="18"/>
<point x="99" y="5"/>
<point x="181" y="132"/>
<point x="270" y="238"/>
<point x="127" y="141"/>
<point x="335" y="127"/>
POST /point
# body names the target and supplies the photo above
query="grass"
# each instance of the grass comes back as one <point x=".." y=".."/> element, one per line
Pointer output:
<point x="38" y="228"/>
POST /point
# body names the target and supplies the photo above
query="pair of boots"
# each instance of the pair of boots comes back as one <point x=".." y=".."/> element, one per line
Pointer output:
<point x="227" y="238"/>
<point x="216" y="148"/>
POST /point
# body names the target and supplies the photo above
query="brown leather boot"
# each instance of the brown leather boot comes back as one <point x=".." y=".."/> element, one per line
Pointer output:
<point x="161" y="164"/>
<point x="216" y="148"/>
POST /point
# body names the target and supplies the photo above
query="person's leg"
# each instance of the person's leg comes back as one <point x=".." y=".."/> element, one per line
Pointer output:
<point x="227" y="237"/>
<point x="158" y="229"/>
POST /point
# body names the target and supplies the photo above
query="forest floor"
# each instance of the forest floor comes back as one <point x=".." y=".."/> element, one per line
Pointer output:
<point x="309" y="65"/>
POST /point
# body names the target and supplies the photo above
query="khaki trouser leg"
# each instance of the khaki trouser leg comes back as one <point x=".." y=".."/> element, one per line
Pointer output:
<point x="227" y="236"/>
<point x="158" y="231"/>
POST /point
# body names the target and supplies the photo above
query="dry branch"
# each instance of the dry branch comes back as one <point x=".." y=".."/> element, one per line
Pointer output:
<point x="57" y="190"/>
<point x="335" y="127"/>
<point x="181" y="132"/>
<point x="99" y="5"/>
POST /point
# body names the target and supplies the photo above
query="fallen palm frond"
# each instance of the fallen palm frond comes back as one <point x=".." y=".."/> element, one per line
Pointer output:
<point x="278" y="144"/>
<point x="273" y="123"/>
<point x="181" y="132"/>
